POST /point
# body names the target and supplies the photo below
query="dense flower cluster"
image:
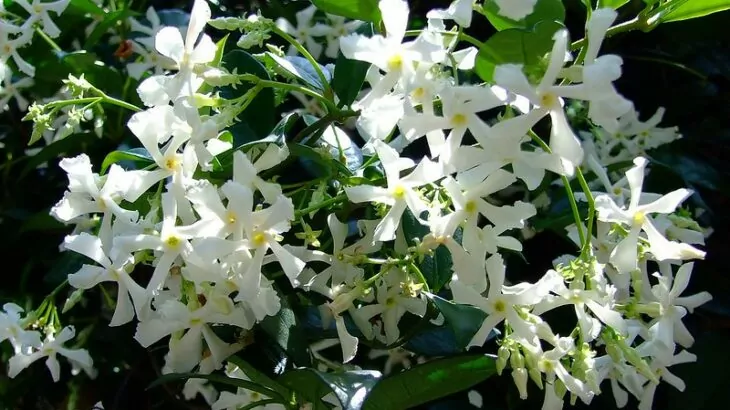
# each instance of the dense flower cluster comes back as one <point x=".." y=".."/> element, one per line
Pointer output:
<point x="212" y="245"/>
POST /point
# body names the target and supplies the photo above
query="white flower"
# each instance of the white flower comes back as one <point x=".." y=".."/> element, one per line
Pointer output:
<point x="148" y="40"/>
<point x="624" y="256"/>
<point x="12" y="89"/>
<point x="516" y="9"/>
<point x="52" y="346"/>
<point x="400" y="193"/>
<point x="159" y="90"/>
<point x="39" y="12"/>
<point x="305" y="31"/>
<point x="12" y="330"/>
<point x="130" y="296"/>
<point x="459" y="10"/>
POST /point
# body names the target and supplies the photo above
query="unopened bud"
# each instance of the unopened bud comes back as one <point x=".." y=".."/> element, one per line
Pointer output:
<point x="519" y="375"/>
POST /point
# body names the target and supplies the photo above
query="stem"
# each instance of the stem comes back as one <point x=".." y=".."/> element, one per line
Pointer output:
<point x="57" y="289"/>
<point x="591" y="211"/>
<point x="291" y="87"/>
<point x="48" y="40"/>
<point x="637" y="23"/>
<point x="568" y="190"/>
<point x="420" y="276"/>
<point x="334" y="200"/>
<point x="327" y="88"/>
<point x="460" y="36"/>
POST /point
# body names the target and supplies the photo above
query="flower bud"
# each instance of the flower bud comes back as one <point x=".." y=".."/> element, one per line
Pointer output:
<point x="503" y="354"/>
<point x="519" y="375"/>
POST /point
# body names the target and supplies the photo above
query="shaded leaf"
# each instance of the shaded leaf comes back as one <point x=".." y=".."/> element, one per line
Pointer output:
<point x="366" y="10"/>
<point x="350" y="74"/>
<point x="545" y="10"/>
<point x="436" y="268"/>
<point x="430" y="381"/>
<point x="288" y="333"/>
<point x="516" y="46"/>
<point x="464" y="320"/>
<point x="301" y="69"/>
<point x="135" y="156"/>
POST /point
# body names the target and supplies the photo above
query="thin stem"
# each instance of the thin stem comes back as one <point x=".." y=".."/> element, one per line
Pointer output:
<point x="637" y="23"/>
<point x="568" y="190"/>
<point x="327" y="88"/>
<point x="461" y="36"/>
<point x="420" y="276"/>
<point x="48" y="40"/>
<point x="57" y="289"/>
<point x="334" y="200"/>
<point x="591" y="211"/>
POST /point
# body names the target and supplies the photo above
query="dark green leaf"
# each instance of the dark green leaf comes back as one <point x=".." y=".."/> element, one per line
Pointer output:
<point x="308" y="387"/>
<point x="545" y="10"/>
<point x="464" y="320"/>
<point x="70" y="145"/>
<point x="109" y="21"/>
<point x="430" y="381"/>
<point x="299" y="68"/>
<point x="259" y="116"/>
<point x="614" y="4"/>
<point x="86" y="6"/>
<point x="695" y="8"/>
<point x="138" y="156"/>
<point x="350" y="387"/>
<point x="245" y="384"/>
<point x="259" y="377"/>
<point x="350" y="74"/>
<point x="436" y="268"/>
<point x="516" y="46"/>
<point x="366" y="10"/>
<point x="288" y="333"/>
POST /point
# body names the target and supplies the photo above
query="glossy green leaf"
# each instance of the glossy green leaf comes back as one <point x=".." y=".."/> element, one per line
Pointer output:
<point x="545" y="10"/>
<point x="139" y="156"/>
<point x="436" y="268"/>
<point x="307" y="387"/>
<point x="516" y="46"/>
<point x="299" y="68"/>
<point x="109" y="21"/>
<point x="614" y="4"/>
<point x="285" y="329"/>
<point x="350" y="387"/>
<point x="430" y="381"/>
<point x="215" y="378"/>
<point x="86" y="6"/>
<point x="695" y="8"/>
<point x="259" y="377"/>
<point x="350" y="74"/>
<point x="258" y="116"/>
<point x="365" y="10"/>
<point x="464" y="320"/>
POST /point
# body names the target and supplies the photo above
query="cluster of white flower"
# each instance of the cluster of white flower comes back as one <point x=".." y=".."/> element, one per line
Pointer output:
<point x="307" y="29"/>
<point x="210" y="243"/>
<point x="17" y="32"/>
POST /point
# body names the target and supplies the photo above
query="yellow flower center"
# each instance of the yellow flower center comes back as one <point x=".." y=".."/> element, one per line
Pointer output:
<point x="171" y="164"/>
<point x="470" y="207"/>
<point x="259" y="239"/>
<point x="231" y="217"/>
<point x="399" y="192"/>
<point x="173" y="241"/>
<point x="548" y="100"/>
<point x="395" y="62"/>
<point x="639" y="218"/>
<point x="500" y="306"/>
<point x="418" y="93"/>
<point x="458" y="120"/>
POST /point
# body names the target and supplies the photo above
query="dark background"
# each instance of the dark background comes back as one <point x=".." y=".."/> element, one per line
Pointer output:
<point x="683" y="66"/>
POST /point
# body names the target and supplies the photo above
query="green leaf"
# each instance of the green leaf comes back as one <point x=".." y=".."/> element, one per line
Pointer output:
<point x="366" y="10"/>
<point x="139" y="156"/>
<point x="430" y="381"/>
<point x="350" y="387"/>
<point x="260" y="115"/>
<point x="299" y="68"/>
<point x="308" y="387"/>
<point x="614" y="4"/>
<point x="259" y="377"/>
<point x="436" y="268"/>
<point x="286" y="329"/>
<point x="695" y="8"/>
<point x="87" y="6"/>
<point x="516" y="46"/>
<point x="350" y="74"/>
<point x="545" y="10"/>
<point x="110" y="19"/>
<point x="464" y="320"/>
<point x="215" y="378"/>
